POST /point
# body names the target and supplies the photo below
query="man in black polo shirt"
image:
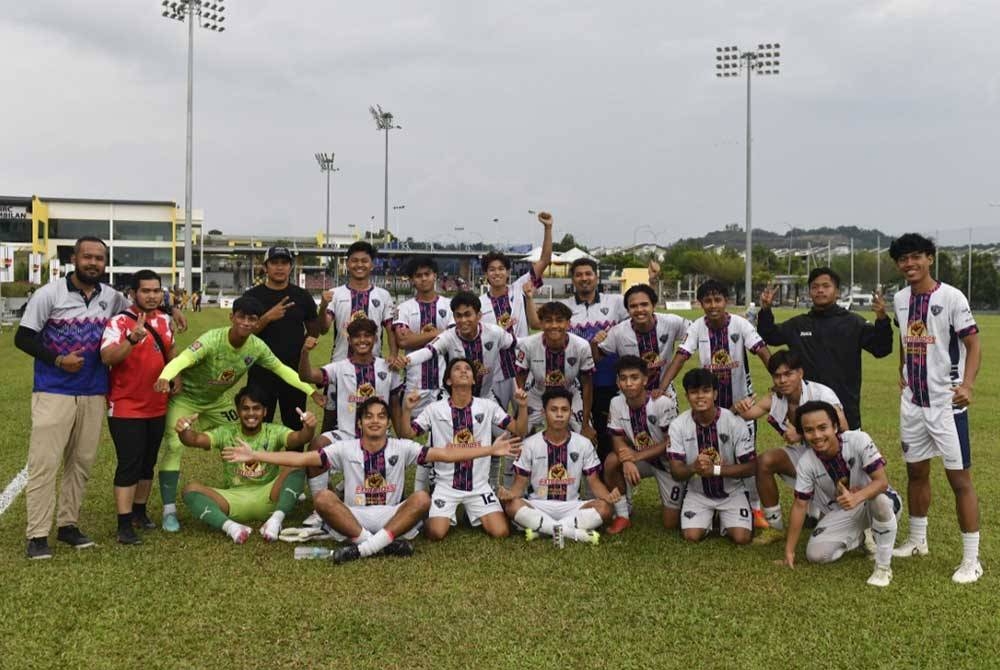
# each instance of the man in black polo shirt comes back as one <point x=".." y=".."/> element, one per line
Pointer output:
<point x="829" y="339"/>
<point x="290" y="316"/>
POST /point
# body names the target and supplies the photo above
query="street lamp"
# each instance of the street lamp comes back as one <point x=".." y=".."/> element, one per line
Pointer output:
<point x="397" y="208"/>
<point x="384" y="121"/>
<point x="730" y="61"/>
<point x="208" y="15"/>
<point x="326" y="165"/>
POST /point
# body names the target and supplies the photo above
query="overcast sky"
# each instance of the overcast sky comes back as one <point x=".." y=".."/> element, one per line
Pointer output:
<point x="886" y="114"/>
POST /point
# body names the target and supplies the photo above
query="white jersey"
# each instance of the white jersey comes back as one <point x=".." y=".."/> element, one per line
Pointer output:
<point x="556" y="470"/>
<point x="507" y="311"/>
<point x="349" y="305"/>
<point x="414" y="315"/>
<point x="858" y="458"/>
<point x="350" y="384"/>
<point x="589" y="318"/>
<point x="931" y="326"/>
<point x="727" y="435"/>
<point x="643" y="426"/>
<point x="552" y="368"/>
<point x="654" y="345"/>
<point x="372" y="478"/>
<point x="778" y="416"/>
<point x="483" y="350"/>
<point x="470" y="426"/>
<point x="723" y="351"/>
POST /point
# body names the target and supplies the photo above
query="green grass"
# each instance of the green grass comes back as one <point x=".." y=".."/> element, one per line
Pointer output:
<point x="644" y="599"/>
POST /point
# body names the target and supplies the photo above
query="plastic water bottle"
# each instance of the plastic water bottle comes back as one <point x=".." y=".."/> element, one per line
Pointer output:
<point x="558" y="539"/>
<point x="308" y="553"/>
<point x="751" y="314"/>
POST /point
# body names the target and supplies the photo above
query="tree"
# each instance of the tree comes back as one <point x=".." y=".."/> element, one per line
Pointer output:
<point x="566" y="243"/>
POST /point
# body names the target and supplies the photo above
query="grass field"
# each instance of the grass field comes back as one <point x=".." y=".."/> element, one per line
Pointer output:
<point x="643" y="599"/>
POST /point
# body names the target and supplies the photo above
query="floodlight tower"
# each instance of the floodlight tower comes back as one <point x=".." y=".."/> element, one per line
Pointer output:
<point x="211" y="16"/>
<point x="384" y="121"/>
<point x="731" y="61"/>
<point x="326" y="165"/>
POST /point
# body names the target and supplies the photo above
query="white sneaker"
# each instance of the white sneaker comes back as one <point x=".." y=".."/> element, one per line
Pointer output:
<point x="881" y="577"/>
<point x="911" y="548"/>
<point x="968" y="572"/>
<point x="313" y="520"/>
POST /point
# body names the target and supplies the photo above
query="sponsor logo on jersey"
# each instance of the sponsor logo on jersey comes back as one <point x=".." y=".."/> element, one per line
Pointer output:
<point x="464" y="438"/>
<point x="643" y="440"/>
<point x="805" y="333"/>
<point x="252" y="470"/>
<point x="557" y="476"/>
<point x="226" y="378"/>
<point x="504" y="321"/>
<point x="358" y="315"/>
<point x="649" y="357"/>
<point x="916" y="333"/>
<point x="364" y="392"/>
<point x="721" y="360"/>
<point x="555" y="378"/>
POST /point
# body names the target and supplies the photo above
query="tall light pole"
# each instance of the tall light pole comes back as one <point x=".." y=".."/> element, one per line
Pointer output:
<point x="384" y="121"/>
<point x="730" y="61"/>
<point x="208" y="15"/>
<point x="397" y="208"/>
<point x="326" y="165"/>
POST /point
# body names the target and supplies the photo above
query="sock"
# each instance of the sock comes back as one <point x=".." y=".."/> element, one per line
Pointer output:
<point x="205" y="509"/>
<point x="621" y="508"/>
<point x="754" y="496"/>
<point x="365" y="534"/>
<point x="237" y="531"/>
<point x="420" y="478"/>
<point x="586" y="519"/>
<point x="168" y="487"/>
<point x="773" y="517"/>
<point x="918" y="529"/>
<point x="272" y="527"/>
<point x="290" y="490"/>
<point x="125" y="521"/>
<point x="571" y="530"/>
<point x="529" y="517"/>
<point x="970" y="546"/>
<point x="376" y="543"/>
<point x="885" y="538"/>
<point x="319" y="483"/>
<point x="170" y="508"/>
<point x="139" y="509"/>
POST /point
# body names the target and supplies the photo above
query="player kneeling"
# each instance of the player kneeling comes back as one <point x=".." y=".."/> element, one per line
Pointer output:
<point x="373" y="514"/>
<point x="714" y="444"/>
<point x="253" y="490"/>
<point x="554" y="462"/>
<point x="846" y="472"/>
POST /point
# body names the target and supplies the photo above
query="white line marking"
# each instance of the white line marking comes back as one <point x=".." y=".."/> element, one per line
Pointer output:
<point x="10" y="493"/>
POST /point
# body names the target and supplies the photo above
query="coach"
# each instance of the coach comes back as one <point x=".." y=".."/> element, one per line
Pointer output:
<point x="290" y="316"/>
<point x="829" y="339"/>
<point x="62" y="328"/>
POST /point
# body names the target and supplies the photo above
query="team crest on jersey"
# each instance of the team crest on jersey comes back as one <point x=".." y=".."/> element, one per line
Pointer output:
<point x="442" y="313"/>
<point x="651" y="419"/>
<point x="555" y="378"/>
<point x="572" y="360"/>
<point x="376" y="302"/>
<point x="504" y="321"/>
<point x="724" y="438"/>
<point x="103" y="304"/>
<point x="254" y="470"/>
<point x="248" y="361"/>
<point x="663" y="338"/>
<point x="393" y="460"/>
<point x="358" y="315"/>
<point x="488" y="346"/>
<point x="643" y="440"/>
<point x="735" y="337"/>
<point x="195" y="346"/>
<point x="479" y="417"/>
<point x="936" y="309"/>
<point x="574" y="456"/>
<point x="850" y="462"/>
<point x="604" y="311"/>
<point x="439" y="503"/>
<point x="382" y="375"/>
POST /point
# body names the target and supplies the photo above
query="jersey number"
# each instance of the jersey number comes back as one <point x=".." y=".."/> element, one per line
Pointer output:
<point x="230" y="415"/>
<point x="675" y="493"/>
<point x="489" y="498"/>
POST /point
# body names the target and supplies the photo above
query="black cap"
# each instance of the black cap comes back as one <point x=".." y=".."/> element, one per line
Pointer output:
<point x="277" y="252"/>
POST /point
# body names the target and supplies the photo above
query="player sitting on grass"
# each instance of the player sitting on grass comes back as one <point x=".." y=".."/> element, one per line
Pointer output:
<point x="555" y="462"/>
<point x="373" y="515"/>
<point x="846" y="473"/>
<point x="466" y="422"/>
<point x="638" y="424"/>
<point x="713" y="443"/>
<point x="252" y="491"/>
<point x="790" y="391"/>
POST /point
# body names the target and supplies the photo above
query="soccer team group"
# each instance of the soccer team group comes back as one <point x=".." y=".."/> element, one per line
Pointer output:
<point x="550" y="432"/>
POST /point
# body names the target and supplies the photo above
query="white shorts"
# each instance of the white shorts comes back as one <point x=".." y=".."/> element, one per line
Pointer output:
<point x="557" y="509"/>
<point x="928" y="432"/>
<point x="847" y="527"/>
<point x="503" y="391"/>
<point x="373" y="518"/>
<point x="671" y="490"/>
<point x="446" y="500"/>
<point x="733" y="510"/>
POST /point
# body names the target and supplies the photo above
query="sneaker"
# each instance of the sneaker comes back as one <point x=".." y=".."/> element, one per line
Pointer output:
<point x="38" y="548"/>
<point x="72" y="536"/>
<point x="621" y="523"/>
<point x="314" y="520"/>
<point x="768" y="535"/>
<point x="558" y="541"/>
<point x="143" y="522"/>
<point x="911" y="548"/>
<point x="588" y="537"/>
<point x="530" y="535"/>
<point x="759" y="522"/>
<point x="126" y="535"/>
<point x="399" y="548"/>
<point x="171" y="524"/>
<point x="349" y="552"/>
<point x="882" y="576"/>
<point x="968" y="572"/>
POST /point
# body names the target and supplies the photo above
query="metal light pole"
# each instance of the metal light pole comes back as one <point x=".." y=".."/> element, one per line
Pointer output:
<point x="326" y="165"/>
<point x="208" y="15"/>
<point x="397" y="208"/>
<point x="384" y="121"/>
<point x="729" y="62"/>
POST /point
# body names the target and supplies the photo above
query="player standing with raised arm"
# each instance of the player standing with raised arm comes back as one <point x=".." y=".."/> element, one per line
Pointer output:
<point x="938" y="363"/>
<point x="512" y="306"/>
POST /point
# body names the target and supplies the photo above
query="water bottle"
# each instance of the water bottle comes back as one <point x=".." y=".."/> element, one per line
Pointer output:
<point x="308" y="553"/>
<point x="751" y="314"/>
<point x="558" y="539"/>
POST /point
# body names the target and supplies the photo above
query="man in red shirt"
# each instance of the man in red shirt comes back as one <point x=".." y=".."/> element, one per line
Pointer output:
<point x="137" y="344"/>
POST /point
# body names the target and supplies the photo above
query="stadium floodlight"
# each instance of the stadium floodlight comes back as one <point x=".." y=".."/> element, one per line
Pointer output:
<point x="731" y="61"/>
<point x="326" y="165"/>
<point x="194" y="12"/>
<point x="384" y="121"/>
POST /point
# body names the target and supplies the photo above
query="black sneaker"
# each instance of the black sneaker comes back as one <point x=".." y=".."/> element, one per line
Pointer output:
<point x="400" y="548"/>
<point x="348" y="552"/>
<point x="126" y="535"/>
<point x="38" y="548"/>
<point x="142" y="521"/>
<point x="72" y="536"/>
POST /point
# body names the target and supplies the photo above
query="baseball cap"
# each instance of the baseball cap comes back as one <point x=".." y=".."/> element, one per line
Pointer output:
<point x="277" y="252"/>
